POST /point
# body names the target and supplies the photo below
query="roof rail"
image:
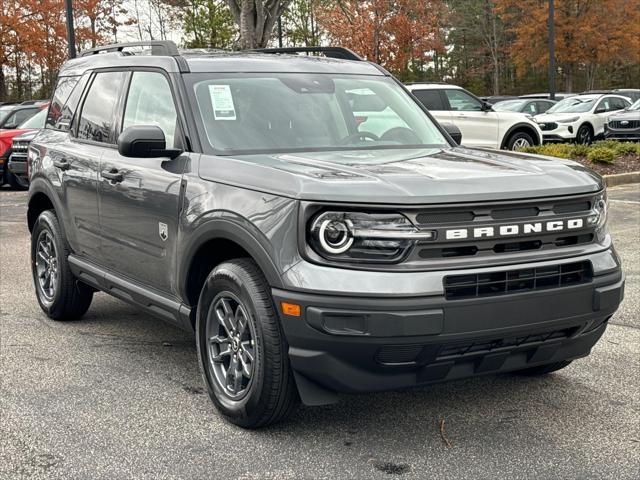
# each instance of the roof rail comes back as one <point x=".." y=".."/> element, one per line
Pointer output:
<point x="165" y="48"/>
<point x="331" y="52"/>
<point x="158" y="47"/>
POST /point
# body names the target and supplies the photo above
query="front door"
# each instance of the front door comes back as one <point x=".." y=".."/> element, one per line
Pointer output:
<point x="479" y="127"/>
<point x="140" y="197"/>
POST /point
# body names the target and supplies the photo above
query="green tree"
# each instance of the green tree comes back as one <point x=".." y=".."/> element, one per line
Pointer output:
<point x="208" y="24"/>
<point x="300" y="22"/>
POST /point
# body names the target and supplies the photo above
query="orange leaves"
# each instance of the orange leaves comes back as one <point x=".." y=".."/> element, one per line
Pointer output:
<point x="588" y="32"/>
<point x="389" y="32"/>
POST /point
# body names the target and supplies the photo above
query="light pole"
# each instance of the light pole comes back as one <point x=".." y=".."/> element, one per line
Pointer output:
<point x="552" y="52"/>
<point x="71" y="35"/>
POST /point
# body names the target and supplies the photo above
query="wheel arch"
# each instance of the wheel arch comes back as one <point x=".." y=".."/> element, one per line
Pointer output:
<point x="41" y="198"/>
<point x="521" y="127"/>
<point x="214" y="242"/>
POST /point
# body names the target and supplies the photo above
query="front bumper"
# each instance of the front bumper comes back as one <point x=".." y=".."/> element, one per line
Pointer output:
<point x="562" y="133"/>
<point x="362" y="344"/>
<point x="631" y="134"/>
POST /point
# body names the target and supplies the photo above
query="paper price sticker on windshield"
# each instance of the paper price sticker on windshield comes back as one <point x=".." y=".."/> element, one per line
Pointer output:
<point x="222" y="102"/>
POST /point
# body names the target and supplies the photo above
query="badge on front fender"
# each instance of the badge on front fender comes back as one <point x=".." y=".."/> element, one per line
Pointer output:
<point x="163" y="231"/>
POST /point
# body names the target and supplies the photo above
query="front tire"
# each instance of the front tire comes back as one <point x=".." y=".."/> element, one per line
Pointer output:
<point x="242" y="351"/>
<point x="584" y="135"/>
<point x="60" y="295"/>
<point x="519" y="140"/>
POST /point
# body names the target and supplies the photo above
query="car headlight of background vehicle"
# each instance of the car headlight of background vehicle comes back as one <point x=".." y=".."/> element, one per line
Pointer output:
<point x="599" y="218"/>
<point x="568" y="120"/>
<point x="364" y="237"/>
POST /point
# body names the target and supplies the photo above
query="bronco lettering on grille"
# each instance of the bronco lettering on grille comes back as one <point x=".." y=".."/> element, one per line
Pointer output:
<point x="516" y="229"/>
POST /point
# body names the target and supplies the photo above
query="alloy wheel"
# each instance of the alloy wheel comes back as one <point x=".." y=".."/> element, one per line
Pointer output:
<point x="521" y="143"/>
<point x="231" y="345"/>
<point x="47" y="266"/>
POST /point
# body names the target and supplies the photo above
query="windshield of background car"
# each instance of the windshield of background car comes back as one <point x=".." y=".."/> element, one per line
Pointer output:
<point x="295" y="112"/>
<point x="37" y="121"/>
<point x="635" y="106"/>
<point x="509" y="105"/>
<point x="573" y="105"/>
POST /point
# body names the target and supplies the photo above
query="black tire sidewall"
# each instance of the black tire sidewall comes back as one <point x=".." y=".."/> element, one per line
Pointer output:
<point x="48" y="221"/>
<point x="516" y="136"/>
<point x="251" y="405"/>
<point x="588" y="129"/>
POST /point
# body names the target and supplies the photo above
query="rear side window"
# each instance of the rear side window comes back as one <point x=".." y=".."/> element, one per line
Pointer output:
<point x="64" y="87"/>
<point x="150" y="102"/>
<point x="65" y="101"/>
<point x="430" y="99"/>
<point x="96" y="119"/>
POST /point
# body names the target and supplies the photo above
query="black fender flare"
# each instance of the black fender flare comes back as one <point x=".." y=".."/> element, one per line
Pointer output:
<point x="518" y="126"/>
<point x="39" y="186"/>
<point x="226" y="229"/>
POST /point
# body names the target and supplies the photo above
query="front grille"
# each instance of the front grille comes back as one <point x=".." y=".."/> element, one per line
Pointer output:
<point x="548" y="126"/>
<point x="628" y="124"/>
<point x="442" y="221"/>
<point x="459" y="287"/>
<point x="19" y="150"/>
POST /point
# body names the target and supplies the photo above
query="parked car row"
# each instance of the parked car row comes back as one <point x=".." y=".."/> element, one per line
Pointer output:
<point x="518" y="122"/>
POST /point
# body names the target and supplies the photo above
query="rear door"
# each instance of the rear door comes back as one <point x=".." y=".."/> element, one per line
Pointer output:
<point x="78" y="159"/>
<point x="480" y="128"/>
<point x="139" y="197"/>
<point x="436" y="103"/>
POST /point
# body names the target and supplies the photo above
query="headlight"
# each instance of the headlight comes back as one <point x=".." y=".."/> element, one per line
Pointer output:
<point x="364" y="237"/>
<point x="569" y="120"/>
<point x="599" y="218"/>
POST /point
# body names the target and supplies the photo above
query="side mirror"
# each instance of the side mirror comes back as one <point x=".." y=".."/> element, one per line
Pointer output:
<point x="453" y="131"/>
<point x="145" y="141"/>
<point x="486" y="107"/>
<point x="600" y="110"/>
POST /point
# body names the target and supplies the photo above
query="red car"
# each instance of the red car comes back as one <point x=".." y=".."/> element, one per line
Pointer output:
<point x="6" y="137"/>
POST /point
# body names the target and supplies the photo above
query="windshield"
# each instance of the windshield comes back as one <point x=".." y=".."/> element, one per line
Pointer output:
<point x="573" y="104"/>
<point x="509" y="105"/>
<point x="635" y="106"/>
<point x="37" y="121"/>
<point x="294" y="112"/>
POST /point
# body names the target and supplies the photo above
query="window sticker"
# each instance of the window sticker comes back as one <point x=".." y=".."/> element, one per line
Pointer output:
<point x="222" y="102"/>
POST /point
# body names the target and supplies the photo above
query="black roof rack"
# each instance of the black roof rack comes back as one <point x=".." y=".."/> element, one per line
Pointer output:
<point x="158" y="47"/>
<point x="165" y="48"/>
<point x="331" y="52"/>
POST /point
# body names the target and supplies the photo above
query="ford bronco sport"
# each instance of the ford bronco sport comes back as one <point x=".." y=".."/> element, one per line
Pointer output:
<point x="313" y="225"/>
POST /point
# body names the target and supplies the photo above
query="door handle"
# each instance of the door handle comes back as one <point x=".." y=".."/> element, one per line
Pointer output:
<point x="114" y="175"/>
<point x="62" y="164"/>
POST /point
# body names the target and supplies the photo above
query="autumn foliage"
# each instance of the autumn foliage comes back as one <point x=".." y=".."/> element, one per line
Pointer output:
<point x="392" y="33"/>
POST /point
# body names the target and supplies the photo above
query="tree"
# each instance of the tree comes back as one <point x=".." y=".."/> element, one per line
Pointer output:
<point x="393" y="33"/>
<point x="255" y="20"/>
<point x="208" y="24"/>
<point x="301" y="23"/>
<point x="590" y="34"/>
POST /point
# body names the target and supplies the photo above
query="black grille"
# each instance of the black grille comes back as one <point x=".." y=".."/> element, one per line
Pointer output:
<point x="514" y="281"/>
<point x="548" y="126"/>
<point x="444" y="217"/>
<point x="628" y="124"/>
<point x="398" y="354"/>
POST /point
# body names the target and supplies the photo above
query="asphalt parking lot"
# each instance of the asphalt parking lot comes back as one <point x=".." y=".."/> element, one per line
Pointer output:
<point x="118" y="395"/>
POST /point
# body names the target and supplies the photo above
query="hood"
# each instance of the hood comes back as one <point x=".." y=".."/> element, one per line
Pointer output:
<point x="554" y="117"/>
<point x="407" y="176"/>
<point x="28" y="136"/>
<point x="625" y="115"/>
<point x="9" y="134"/>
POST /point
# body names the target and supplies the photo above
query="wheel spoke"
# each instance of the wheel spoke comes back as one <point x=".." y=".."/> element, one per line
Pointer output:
<point x="230" y="376"/>
<point x="237" y="379"/>
<point x="225" y="315"/>
<point x="241" y="320"/>
<point x="247" y="349"/>
<point x="246" y="364"/>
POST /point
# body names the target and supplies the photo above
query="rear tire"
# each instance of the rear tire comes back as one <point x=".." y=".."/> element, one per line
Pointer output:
<point x="242" y="350"/>
<point x="544" y="369"/>
<point x="60" y="295"/>
<point x="519" y="140"/>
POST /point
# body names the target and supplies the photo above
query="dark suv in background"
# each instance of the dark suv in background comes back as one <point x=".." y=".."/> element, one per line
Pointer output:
<point x="313" y="224"/>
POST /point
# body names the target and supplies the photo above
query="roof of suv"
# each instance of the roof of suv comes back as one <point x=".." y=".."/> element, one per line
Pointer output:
<point x="174" y="61"/>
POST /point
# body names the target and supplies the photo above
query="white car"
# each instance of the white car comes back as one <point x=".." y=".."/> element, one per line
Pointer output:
<point x="580" y="118"/>
<point x="480" y="125"/>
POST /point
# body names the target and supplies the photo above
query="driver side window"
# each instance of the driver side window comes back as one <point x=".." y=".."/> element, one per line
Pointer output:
<point x="461" y="101"/>
<point x="603" y="106"/>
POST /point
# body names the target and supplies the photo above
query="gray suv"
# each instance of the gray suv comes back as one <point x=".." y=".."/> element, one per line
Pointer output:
<point x="312" y="223"/>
